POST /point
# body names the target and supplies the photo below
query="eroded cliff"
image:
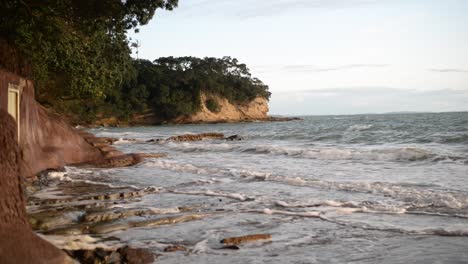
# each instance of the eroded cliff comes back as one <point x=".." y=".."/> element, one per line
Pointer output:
<point x="256" y="109"/>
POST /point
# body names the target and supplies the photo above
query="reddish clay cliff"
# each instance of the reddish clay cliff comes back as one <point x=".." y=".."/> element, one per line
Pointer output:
<point x="18" y="244"/>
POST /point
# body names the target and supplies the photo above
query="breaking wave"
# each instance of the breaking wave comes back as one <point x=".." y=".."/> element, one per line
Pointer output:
<point x="390" y="154"/>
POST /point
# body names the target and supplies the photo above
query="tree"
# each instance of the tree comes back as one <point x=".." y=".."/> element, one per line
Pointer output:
<point x="78" y="49"/>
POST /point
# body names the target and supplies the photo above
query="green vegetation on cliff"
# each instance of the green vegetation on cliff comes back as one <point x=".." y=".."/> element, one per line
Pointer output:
<point x="173" y="85"/>
<point x="81" y="65"/>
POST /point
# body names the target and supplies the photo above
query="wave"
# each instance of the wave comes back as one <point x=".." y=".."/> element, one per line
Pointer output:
<point x="190" y="168"/>
<point x="346" y="207"/>
<point x="360" y="127"/>
<point x="413" y="196"/>
<point x="457" y="139"/>
<point x="322" y="214"/>
<point x="390" y="154"/>
<point x="235" y="196"/>
<point x="395" y="154"/>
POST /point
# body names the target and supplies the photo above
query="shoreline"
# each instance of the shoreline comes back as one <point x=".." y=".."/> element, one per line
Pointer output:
<point x="78" y="216"/>
<point x="116" y="123"/>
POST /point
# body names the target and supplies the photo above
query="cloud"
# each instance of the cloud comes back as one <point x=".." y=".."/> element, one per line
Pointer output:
<point x="311" y="68"/>
<point x="275" y="7"/>
<point x="252" y="9"/>
<point x="314" y="68"/>
<point x="354" y="100"/>
<point x="379" y="91"/>
<point x="448" y="70"/>
<point x="346" y="91"/>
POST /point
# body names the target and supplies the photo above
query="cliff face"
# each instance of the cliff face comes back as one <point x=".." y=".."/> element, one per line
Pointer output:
<point x="46" y="141"/>
<point x="18" y="244"/>
<point x="228" y="112"/>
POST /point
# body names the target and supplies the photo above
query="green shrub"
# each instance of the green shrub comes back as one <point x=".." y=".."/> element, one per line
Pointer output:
<point x="212" y="105"/>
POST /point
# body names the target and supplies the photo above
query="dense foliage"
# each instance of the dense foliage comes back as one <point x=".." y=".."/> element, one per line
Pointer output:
<point x="80" y="58"/>
<point x="78" y="49"/>
<point x="173" y="85"/>
<point x="212" y="105"/>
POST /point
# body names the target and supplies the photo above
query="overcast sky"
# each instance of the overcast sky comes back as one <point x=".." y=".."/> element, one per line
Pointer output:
<point x="330" y="56"/>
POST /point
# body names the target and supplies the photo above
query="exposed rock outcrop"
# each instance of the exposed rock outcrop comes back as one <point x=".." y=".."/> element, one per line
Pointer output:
<point x="257" y="109"/>
<point x="46" y="140"/>
<point x="196" y="137"/>
<point x="245" y="239"/>
<point x="18" y="244"/>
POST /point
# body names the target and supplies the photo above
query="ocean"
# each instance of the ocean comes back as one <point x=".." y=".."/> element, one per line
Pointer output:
<point x="328" y="189"/>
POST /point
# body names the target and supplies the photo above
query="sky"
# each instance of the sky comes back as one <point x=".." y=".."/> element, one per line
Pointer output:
<point x="323" y="57"/>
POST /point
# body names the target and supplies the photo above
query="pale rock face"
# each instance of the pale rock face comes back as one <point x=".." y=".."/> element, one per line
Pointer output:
<point x="254" y="110"/>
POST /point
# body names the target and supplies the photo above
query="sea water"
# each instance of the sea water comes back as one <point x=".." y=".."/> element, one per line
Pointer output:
<point x="329" y="189"/>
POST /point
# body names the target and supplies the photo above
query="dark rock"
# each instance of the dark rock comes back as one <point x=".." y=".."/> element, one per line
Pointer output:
<point x="231" y="247"/>
<point x="152" y="155"/>
<point x="175" y="248"/>
<point x="114" y="257"/>
<point x="108" y="256"/>
<point x="282" y="119"/>
<point x="154" y="140"/>
<point x="136" y="255"/>
<point x="245" y="239"/>
<point x="196" y="137"/>
<point x="234" y="137"/>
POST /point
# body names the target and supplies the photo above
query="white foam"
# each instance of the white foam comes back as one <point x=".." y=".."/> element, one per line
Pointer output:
<point x="418" y="197"/>
<point x="236" y="196"/>
<point x="58" y="175"/>
<point x="77" y="242"/>
<point x="190" y="168"/>
<point x="199" y="147"/>
<point x="333" y="153"/>
<point x="122" y="141"/>
<point x="200" y="247"/>
<point x="310" y="204"/>
<point x="348" y="210"/>
<point x="359" y="127"/>
<point x="303" y="214"/>
<point x="130" y="135"/>
<point x="321" y="153"/>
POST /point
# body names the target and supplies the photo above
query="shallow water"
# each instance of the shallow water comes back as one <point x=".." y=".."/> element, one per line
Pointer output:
<point x="330" y="189"/>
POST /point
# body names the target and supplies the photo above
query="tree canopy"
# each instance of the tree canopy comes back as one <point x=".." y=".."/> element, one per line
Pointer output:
<point x="76" y="48"/>
<point x="81" y="65"/>
<point x="174" y="84"/>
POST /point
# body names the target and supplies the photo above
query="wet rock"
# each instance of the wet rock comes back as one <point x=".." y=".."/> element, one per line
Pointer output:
<point x="78" y="229"/>
<point x="46" y="220"/>
<point x="231" y="247"/>
<point x="107" y="148"/>
<point x="18" y="244"/>
<point x="105" y="256"/>
<point x="112" y="154"/>
<point x="114" y="257"/>
<point x="234" y="137"/>
<point x="196" y="137"/>
<point x="81" y="197"/>
<point x="136" y="255"/>
<point x="119" y="161"/>
<point x="152" y="155"/>
<point x="104" y="228"/>
<point x="282" y="119"/>
<point x="154" y="140"/>
<point x="245" y="239"/>
<point x="113" y="215"/>
<point x="175" y="248"/>
<point x="168" y="220"/>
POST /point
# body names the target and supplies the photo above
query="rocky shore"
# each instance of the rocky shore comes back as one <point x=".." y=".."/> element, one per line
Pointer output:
<point x="79" y="216"/>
